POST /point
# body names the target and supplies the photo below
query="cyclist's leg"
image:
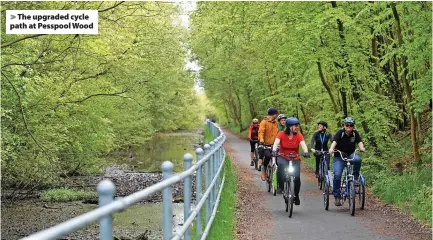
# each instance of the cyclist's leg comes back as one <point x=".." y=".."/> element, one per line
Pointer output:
<point x="282" y="164"/>
<point x="327" y="161"/>
<point x="297" y="174"/>
<point x="338" y="166"/>
<point x="253" y="147"/>
<point x="317" y="165"/>
<point x="356" y="165"/>
<point x="267" y="157"/>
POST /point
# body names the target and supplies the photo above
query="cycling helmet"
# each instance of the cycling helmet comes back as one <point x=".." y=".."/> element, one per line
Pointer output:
<point x="323" y="123"/>
<point x="255" y="120"/>
<point x="349" y="120"/>
<point x="291" y="121"/>
<point x="272" y="111"/>
<point x="281" y="116"/>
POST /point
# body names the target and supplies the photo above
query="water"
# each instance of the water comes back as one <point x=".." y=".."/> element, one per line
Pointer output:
<point x="162" y="147"/>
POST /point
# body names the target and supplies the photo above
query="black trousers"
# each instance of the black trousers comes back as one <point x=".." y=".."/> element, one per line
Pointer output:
<point x="282" y="165"/>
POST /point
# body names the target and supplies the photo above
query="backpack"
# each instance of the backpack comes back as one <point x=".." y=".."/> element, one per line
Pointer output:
<point x="255" y="131"/>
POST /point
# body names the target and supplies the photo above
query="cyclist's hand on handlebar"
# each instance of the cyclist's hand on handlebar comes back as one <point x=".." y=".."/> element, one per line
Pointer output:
<point x="307" y="155"/>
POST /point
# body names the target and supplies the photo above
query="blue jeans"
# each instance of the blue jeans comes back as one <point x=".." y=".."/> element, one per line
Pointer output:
<point x="339" y="165"/>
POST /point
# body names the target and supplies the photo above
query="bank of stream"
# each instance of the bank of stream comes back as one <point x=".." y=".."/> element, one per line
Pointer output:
<point x="134" y="169"/>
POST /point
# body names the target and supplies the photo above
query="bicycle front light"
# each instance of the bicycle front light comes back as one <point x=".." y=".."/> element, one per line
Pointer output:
<point x="290" y="169"/>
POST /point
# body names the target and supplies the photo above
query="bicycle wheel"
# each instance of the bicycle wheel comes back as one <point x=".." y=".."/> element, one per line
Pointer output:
<point x="291" y="196"/>
<point x="326" y="195"/>
<point x="320" y="177"/>
<point x="256" y="159"/>
<point x="362" y="194"/>
<point x="268" y="178"/>
<point x="352" y="196"/>
<point x="286" y="194"/>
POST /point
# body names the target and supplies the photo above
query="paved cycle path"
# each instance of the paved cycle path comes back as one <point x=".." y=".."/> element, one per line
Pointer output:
<point x="309" y="220"/>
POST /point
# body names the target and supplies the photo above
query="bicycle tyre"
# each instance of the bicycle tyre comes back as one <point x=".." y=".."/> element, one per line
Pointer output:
<point x="362" y="195"/>
<point x="352" y="197"/>
<point x="286" y="195"/>
<point x="326" y="195"/>
<point x="268" y="179"/>
<point x="256" y="159"/>
<point x="291" y="196"/>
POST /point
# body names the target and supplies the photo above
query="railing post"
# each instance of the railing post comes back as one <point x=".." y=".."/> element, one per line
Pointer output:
<point x="212" y="173"/>
<point x="105" y="191"/>
<point x="167" y="211"/>
<point x="198" y="189"/>
<point x="187" y="194"/>
<point x="208" y="180"/>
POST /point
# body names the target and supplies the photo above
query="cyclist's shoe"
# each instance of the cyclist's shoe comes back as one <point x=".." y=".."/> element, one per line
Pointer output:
<point x="280" y="191"/>
<point x="296" y="200"/>
<point x="263" y="175"/>
<point x="337" y="201"/>
<point x="252" y="163"/>
<point x="259" y="169"/>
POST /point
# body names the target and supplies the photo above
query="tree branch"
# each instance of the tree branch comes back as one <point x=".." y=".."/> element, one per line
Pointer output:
<point x="115" y="5"/>
<point x="24" y="118"/>
<point x="21" y="39"/>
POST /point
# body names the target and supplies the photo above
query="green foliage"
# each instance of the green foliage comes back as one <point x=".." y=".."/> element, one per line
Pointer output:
<point x="321" y="61"/>
<point x="411" y="192"/>
<point x="67" y="100"/>
<point x="67" y="195"/>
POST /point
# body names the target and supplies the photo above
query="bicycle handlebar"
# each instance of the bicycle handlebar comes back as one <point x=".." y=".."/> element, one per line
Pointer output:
<point x="346" y="159"/>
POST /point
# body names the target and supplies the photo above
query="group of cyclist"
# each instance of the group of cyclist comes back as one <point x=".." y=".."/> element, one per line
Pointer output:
<point x="279" y="136"/>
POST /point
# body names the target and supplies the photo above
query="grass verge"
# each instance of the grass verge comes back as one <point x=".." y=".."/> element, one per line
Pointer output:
<point x="67" y="195"/>
<point x="410" y="191"/>
<point x="223" y="226"/>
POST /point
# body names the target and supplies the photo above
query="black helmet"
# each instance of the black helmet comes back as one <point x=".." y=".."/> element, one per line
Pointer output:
<point x="323" y="123"/>
<point x="349" y="120"/>
<point x="281" y="116"/>
<point x="272" y="111"/>
<point x="291" y="121"/>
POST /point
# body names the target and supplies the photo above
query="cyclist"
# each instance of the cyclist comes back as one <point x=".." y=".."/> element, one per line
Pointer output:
<point x="281" y="122"/>
<point x="253" y="137"/>
<point x="345" y="140"/>
<point x="319" y="142"/>
<point x="289" y="141"/>
<point x="268" y="130"/>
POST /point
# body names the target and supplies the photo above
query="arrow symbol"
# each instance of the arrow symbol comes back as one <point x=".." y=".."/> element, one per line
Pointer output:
<point x="13" y="16"/>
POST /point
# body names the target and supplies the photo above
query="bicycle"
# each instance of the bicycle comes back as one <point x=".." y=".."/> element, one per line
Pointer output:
<point x="289" y="185"/>
<point x="347" y="187"/>
<point x="270" y="172"/>
<point x="256" y="156"/>
<point x="323" y="167"/>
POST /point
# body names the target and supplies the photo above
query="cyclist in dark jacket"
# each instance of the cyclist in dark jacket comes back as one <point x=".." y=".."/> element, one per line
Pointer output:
<point x="319" y="142"/>
<point x="253" y="136"/>
<point x="345" y="140"/>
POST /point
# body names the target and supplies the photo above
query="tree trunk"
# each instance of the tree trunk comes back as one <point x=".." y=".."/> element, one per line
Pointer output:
<point x="239" y="114"/>
<point x="328" y="89"/>
<point x="352" y="81"/>
<point x="253" y="111"/>
<point x="407" y="88"/>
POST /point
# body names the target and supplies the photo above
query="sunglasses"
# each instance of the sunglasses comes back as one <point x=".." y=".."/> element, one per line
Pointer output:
<point x="349" y="125"/>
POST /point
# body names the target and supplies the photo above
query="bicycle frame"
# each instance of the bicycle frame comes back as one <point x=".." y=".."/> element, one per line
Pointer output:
<point x="348" y="173"/>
